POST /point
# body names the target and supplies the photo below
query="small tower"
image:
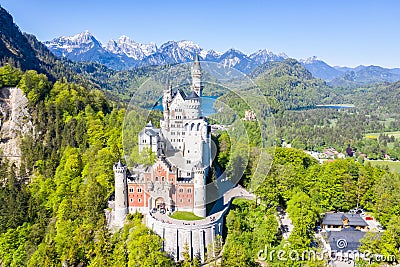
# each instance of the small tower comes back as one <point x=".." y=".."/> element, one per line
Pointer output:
<point x="197" y="87"/>
<point x="199" y="207"/>
<point x="167" y="97"/>
<point x="121" y="194"/>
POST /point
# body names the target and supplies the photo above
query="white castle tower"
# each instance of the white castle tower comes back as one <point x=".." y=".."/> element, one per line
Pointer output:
<point x="121" y="196"/>
<point x="196" y="87"/>
<point x="199" y="190"/>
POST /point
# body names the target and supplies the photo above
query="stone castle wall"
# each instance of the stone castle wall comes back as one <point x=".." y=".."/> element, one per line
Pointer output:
<point x="198" y="235"/>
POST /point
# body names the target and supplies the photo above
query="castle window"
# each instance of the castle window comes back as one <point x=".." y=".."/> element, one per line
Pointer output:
<point x="131" y="199"/>
<point x="189" y="190"/>
<point x="188" y="174"/>
<point x="139" y="200"/>
<point x="188" y="161"/>
<point x="189" y="200"/>
<point x="131" y="190"/>
<point x="156" y="178"/>
<point x="139" y="190"/>
<point x="181" y="200"/>
<point x="162" y="178"/>
<point x="180" y="190"/>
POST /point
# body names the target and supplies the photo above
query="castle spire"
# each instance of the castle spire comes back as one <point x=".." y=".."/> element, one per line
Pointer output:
<point x="196" y="59"/>
<point x="166" y="102"/>
<point x="196" y="76"/>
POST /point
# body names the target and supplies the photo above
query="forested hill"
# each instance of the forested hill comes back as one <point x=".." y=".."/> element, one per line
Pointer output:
<point x="56" y="217"/>
<point x="291" y="85"/>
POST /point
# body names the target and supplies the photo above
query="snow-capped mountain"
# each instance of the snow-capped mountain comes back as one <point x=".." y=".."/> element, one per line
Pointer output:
<point x="125" y="46"/>
<point x="236" y="59"/>
<point x="265" y="55"/>
<point x="320" y="69"/>
<point x="124" y="53"/>
<point x="210" y="55"/>
<point x="73" y="46"/>
<point x="177" y="52"/>
<point x="85" y="47"/>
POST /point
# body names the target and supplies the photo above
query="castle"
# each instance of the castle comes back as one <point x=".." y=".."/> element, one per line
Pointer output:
<point x="177" y="179"/>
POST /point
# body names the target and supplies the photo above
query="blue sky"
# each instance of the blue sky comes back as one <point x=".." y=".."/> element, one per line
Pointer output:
<point x="345" y="33"/>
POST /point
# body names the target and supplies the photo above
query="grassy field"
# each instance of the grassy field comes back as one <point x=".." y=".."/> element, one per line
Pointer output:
<point x="376" y="135"/>
<point x="394" y="166"/>
<point x="185" y="215"/>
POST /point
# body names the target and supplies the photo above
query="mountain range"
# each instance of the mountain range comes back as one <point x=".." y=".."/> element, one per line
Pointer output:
<point x="60" y="56"/>
<point x="345" y="76"/>
<point x="124" y="53"/>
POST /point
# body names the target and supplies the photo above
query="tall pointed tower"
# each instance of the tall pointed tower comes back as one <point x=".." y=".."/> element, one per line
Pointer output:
<point x="167" y="97"/>
<point x="121" y="194"/>
<point x="196" y="76"/>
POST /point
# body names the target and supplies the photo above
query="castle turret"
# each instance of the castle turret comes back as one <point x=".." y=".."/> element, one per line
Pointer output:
<point x="121" y="194"/>
<point x="197" y="87"/>
<point x="167" y="97"/>
<point x="199" y="190"/>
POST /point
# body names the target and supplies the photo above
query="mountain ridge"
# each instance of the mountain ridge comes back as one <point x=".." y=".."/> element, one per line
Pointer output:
<point x="124" y="54"/>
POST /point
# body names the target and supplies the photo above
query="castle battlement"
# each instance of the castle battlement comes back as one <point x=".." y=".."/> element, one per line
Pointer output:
<point x="119" y="167"/>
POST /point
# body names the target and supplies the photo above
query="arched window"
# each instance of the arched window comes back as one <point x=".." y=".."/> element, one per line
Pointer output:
<point x="162" y="178"/>
<point x="156" y="178"/>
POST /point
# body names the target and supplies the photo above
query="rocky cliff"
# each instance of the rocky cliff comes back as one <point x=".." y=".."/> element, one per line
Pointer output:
<point x="15" y="122"/>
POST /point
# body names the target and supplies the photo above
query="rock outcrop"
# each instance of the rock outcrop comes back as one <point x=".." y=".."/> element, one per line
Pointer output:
<point x="15" y="122"/>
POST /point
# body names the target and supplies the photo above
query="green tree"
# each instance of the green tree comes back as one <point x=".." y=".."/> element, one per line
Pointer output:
<point x="145" y="249"/>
